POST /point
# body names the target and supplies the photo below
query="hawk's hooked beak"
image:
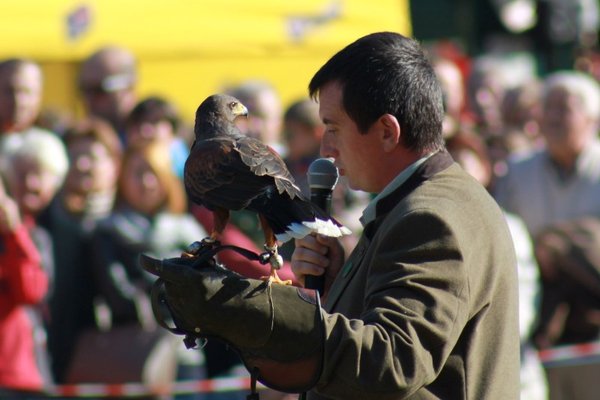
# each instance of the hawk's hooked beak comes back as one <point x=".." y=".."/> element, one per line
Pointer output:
<point x="240" y="109"/>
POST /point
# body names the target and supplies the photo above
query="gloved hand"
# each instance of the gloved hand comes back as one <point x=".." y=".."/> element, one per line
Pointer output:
<point x="277" y="329"/>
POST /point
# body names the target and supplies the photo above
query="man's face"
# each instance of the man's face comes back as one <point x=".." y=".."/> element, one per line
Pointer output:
<point x="20" y="98"/>
<point x="92" y="167"/>
<point x="148" y="131"/>
<point x="101" y="99"/>
<point x="141" y="187"/>
<point x="565" y="122"/>
<point x="354" y="153"/>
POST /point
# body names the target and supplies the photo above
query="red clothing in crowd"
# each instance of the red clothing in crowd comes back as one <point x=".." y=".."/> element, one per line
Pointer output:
<point x="22" y="282"/>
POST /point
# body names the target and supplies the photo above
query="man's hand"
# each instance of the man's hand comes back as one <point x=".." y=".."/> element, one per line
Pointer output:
<point x="318" y="255"/>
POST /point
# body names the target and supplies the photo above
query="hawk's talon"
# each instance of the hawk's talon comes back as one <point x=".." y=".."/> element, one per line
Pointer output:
<point x="194" y="249"/>
<point x="274" y="278"/>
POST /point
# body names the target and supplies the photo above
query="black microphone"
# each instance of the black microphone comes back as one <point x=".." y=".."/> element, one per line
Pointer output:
<point x="322" y="177"/>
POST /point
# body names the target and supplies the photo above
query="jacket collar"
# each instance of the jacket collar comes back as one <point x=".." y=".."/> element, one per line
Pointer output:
<point x="434" y="164"/>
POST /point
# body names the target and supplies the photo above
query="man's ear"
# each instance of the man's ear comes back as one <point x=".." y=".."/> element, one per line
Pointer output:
<point x="390" y="132"/>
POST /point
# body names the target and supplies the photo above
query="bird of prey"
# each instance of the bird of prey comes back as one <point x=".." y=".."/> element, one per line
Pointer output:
<point x="227" y="170"/>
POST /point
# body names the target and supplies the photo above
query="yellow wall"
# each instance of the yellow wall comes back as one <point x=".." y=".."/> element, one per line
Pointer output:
<point x="188" y="49"/>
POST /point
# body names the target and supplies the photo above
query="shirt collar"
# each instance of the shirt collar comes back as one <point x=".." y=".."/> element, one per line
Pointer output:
<point x="369" y="212"/>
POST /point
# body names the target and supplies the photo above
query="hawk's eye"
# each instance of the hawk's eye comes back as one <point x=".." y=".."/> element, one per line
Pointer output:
<point x="232" y="104"/>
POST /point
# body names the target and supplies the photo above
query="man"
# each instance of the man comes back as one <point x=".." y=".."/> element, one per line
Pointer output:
<point x="560" y="182"/>
<point x="426" y="305"/>
<point x="555" y="190"/>
<point x="21" y="84"/>
<point x="107" y="83"/>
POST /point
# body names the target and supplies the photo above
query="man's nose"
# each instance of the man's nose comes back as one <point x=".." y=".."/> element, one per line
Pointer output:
<point x="327" y="149"/>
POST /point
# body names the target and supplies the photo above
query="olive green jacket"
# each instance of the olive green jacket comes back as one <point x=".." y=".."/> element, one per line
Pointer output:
<point x="426" y="305"/>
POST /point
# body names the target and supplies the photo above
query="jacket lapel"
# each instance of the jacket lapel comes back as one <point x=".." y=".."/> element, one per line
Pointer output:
<point x="436" y="163"/>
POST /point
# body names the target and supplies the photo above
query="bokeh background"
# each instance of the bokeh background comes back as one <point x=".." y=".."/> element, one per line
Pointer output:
<point x="188" y="49"/>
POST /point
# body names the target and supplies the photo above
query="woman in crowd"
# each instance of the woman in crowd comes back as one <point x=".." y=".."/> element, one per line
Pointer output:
<point x="151" y="217"/>
<point x="33" y="165"/>
<point x="87" y="196"/>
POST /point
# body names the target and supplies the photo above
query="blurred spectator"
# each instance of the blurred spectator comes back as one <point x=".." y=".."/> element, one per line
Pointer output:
<point x="33" y="165"/>
<point x="151" y="218"/>
<point x="20" y="95"/>
<point x="555" y="185"/>
<point x="486" y="84"/>
<point x="87" y="196"/>
<point x="302" y="131"/>
<point x="154" y="118"/>
<point x="520" y="110"/>
<point x="453" y="89"/>
<point x="491" y="77"/>
<point x="561" y="181"/>
<point x="107" y="80"/>
<point x="570" y="268"/>
<point x="470" y="152"/>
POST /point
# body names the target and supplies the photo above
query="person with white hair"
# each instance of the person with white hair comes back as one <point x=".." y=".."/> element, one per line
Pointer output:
<point x="33" y="165"/>
<point x="555" y="187"/>
<point x="561" y="181"/>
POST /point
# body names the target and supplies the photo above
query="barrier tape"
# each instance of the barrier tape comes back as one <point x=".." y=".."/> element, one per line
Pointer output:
<point x="549" y="357"/>
<point x="217" y="385"/>
<point x="569" y="353"/>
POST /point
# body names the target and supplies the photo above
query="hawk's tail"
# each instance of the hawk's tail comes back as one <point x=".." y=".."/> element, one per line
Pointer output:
<point x="297" y="218"/>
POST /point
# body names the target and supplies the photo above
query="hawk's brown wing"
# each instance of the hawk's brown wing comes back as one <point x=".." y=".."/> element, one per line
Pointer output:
<point x="264" y="161"/>
<point x="230" y="172"/>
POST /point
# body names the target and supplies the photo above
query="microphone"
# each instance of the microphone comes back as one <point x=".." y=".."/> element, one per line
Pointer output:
<point x="322" y="178"/>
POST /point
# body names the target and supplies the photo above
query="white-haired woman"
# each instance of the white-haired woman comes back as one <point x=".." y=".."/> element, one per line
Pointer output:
<point x="33" y="165"/>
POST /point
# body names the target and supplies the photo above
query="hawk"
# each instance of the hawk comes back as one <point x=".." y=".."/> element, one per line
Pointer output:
<point x="227" y="170"/>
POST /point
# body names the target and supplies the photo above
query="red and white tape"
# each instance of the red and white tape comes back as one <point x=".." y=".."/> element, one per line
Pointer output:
<point x="228" y="384"/>
<point x="569" y="352"/>
<point x="552" y="356"/>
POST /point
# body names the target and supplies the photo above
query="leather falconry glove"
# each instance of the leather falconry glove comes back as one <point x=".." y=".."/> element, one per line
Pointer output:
<point x="277" y="329"/>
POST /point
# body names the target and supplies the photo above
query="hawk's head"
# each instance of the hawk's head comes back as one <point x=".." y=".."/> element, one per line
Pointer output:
<point x="221" y="106"/>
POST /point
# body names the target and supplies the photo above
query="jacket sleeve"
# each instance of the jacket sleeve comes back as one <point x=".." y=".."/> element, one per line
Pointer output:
<point x="25" y="282"/>
<point x="415" y="307"/>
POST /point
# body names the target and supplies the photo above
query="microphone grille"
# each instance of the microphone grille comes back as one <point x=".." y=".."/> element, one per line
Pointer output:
<point x="322" y="174"/>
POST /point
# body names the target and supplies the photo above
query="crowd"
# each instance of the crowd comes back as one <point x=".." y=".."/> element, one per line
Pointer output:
<point x="80" y="201"/>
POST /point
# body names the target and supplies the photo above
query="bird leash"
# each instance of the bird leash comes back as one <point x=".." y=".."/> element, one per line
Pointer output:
<point x="162" y="313"/>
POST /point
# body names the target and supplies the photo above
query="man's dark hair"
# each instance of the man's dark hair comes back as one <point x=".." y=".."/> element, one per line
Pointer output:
<point x="387" y="73"/>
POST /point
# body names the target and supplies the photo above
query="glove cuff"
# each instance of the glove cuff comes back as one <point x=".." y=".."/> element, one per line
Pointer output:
<point x="292" y="359"/>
